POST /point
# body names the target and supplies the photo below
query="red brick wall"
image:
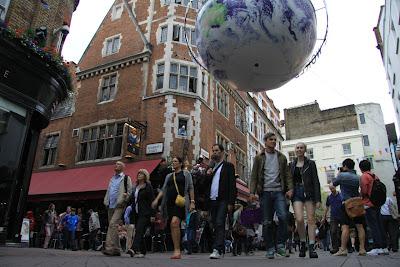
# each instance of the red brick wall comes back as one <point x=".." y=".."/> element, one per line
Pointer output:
<point x="129" y="101"/>
<point x="31" y="14"/>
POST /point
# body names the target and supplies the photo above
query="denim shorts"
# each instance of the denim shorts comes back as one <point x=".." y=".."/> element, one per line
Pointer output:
<point x="299" y="194"/>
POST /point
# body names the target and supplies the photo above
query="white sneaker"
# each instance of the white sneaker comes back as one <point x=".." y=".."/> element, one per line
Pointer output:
<point x="383" y="251"/>
<point x="373" y="252"/>
<point x="215" y="254"/>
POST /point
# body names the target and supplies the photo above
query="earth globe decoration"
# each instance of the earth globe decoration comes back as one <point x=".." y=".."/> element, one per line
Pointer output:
<point x="256" y="45"/>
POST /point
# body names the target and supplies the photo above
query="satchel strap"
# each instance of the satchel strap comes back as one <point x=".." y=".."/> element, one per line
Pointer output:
<point x="176" y="186"/>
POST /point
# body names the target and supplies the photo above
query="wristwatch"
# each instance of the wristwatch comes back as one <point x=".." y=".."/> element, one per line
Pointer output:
<point x="192" y="201"/>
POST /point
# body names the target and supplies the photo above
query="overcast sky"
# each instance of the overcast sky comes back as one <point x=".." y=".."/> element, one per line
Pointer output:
<point x="349" y="70"/>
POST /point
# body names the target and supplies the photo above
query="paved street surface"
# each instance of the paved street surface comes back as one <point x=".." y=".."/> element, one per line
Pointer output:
<point x="50" y="257"/>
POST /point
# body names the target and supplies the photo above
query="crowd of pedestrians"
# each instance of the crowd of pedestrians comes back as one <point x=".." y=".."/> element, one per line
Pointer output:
<point x="196" y="208"/>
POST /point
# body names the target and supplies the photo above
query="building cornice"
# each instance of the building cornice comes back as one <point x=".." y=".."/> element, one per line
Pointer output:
<point x="114" y="65"/>
<point x="323" y="138"/>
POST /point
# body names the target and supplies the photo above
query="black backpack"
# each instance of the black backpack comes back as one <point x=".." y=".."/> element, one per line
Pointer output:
<point x="378" y="192"/>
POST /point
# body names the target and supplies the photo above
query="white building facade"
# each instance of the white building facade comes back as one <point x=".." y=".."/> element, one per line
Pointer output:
<point x="369" y="141"/>
<point x="388" y="37"/>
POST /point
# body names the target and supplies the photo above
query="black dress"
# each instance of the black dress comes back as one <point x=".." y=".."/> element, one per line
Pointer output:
<point x="172" y="208"/>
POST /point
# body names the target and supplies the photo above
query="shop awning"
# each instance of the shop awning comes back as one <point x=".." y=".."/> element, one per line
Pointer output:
<point x="243" y="191"/>
<point x="87" y="179"/>
<point x="242" y="187"/>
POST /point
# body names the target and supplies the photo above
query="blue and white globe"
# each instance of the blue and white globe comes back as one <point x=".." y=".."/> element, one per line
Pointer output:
<point x="256" y="45"/>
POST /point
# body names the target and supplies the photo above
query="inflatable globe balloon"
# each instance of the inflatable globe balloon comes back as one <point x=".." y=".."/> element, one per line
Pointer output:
<point x="256" y="45"/>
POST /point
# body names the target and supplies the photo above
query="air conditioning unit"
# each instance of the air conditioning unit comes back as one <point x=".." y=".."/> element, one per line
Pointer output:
<point x="75" y="132"/>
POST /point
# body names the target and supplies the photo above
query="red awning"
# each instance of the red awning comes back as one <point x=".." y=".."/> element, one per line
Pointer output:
<point x="95" y="178"/>
<point x="242" y="187"/>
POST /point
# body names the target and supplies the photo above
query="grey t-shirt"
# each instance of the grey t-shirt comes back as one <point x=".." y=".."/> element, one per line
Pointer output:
<point x="272" y="181"/>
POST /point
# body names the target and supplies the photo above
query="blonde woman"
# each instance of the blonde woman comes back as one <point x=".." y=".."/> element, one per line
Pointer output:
<point x="179" y="182"/>
<point x="142" y="197"/>
<point x="306" y="194"/>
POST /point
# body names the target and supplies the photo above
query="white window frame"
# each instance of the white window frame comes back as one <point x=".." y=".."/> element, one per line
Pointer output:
<point x="107" y="41"/>
<point x="362" y="118"/>
<point x="164" y="34"/>
<point x="108" y="140"/>
<point x="240" y="119"/>
<point x="310" y="153"/>
<point x="181" y="76"/>
<point x="222" y="100"/>
<point x="117" y="11"/>
<point x="50" y="149"/>
<point x="178" y="34"/>
<point x="101" y="87"/>
<point x="346" y="149"/>
<point x="186" y="120"/>
<point x="160" y="74"/>
<point x="224" y="141"/>
<point x="366" y="140"/>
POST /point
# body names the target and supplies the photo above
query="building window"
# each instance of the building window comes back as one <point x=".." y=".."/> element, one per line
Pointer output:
<point x="178" y="35"/>
<point x="252" y="155"/>
<point x="362" y="118"/>
<point x="50" y="149"/>
<point x="371" y="160"/>
<point x="261" y="131"/>
<point x="346" y="149"/>
<point x="240" y="121"/>
<point x="193" y="37"/>
<point x="183" y="77"/>
<point x="310" y="153"/>
<point x="260" y="101"/>
<point x="394" y="78"/>
<point x="365" y="140"/>
<point x="116" y="12"/>
<point x="225" y="143"/>
<point x="330" y="176"/>
<point x="195" y="3"/>
<point x="112" y="45"/>
<point x="3" y="9"/>
<point x="251" y="121"/>
<point x="240" y="164"/>
<point x="173" y="76"/>
<point x="397" y="46"/>
<point x="203" y="85"/>
<point x="182" y="127"/>
<point x="292" y="156"/>
<point x="222" y="101"/>
<point x="164" y="34"/>
<point x="108" y="85"/>
<point x="100" y="142"/>
<point x="160" y="76"/>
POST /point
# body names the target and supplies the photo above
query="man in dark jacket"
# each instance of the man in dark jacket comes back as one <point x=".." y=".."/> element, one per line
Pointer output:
<point x="271" y="180"/>
<point x="222" y="196"/>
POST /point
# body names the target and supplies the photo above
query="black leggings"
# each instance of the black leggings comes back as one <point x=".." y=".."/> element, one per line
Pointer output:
<point x="140" y="228"/>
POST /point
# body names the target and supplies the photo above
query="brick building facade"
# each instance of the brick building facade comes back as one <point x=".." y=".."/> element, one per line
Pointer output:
<point x="120" y="82"/>
<point x="53" y="16"/>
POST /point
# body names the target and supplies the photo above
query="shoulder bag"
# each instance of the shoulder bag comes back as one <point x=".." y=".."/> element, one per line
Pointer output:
<point x="180" y="200"/>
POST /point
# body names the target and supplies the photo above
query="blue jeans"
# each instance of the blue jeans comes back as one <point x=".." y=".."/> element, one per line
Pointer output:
<point x="374" y="222"/>
<point x="218" y="210"/>
<point x="272" y="202"/>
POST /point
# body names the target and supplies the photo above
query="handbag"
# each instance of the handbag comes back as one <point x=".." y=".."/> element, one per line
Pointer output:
<point x="180" y="200"/>
<point x="239" y="230"/>
<point x="354" y="207"/>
